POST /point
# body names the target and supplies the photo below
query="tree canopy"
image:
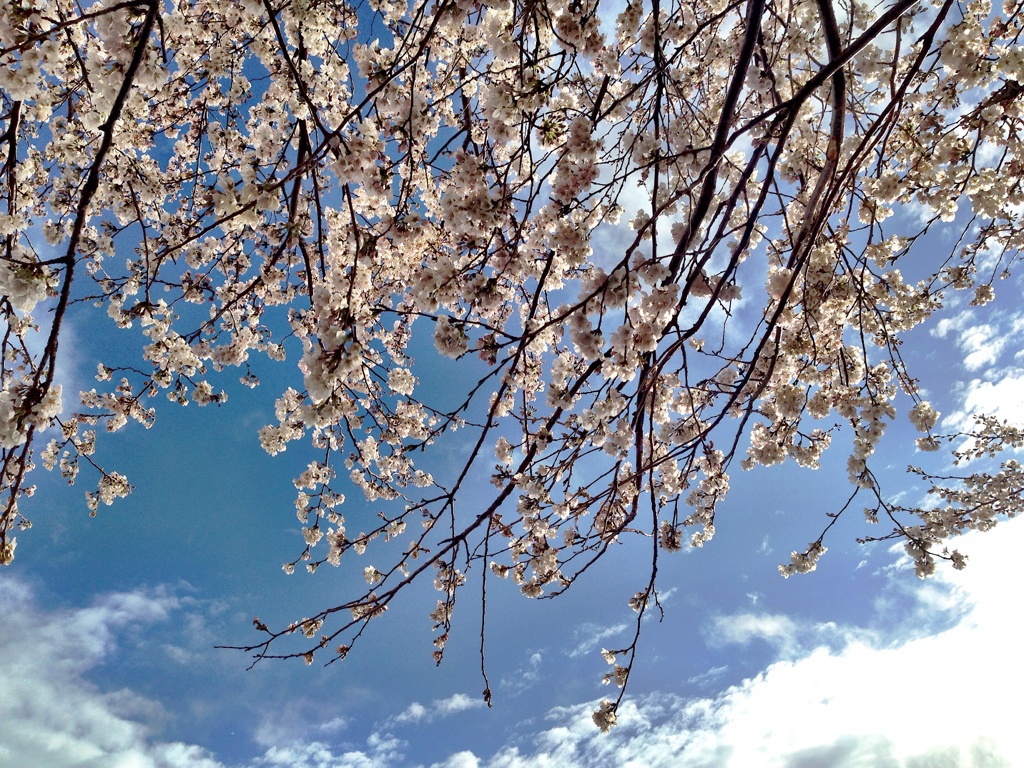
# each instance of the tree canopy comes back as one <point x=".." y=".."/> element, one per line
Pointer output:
<point x="652" y="233"/>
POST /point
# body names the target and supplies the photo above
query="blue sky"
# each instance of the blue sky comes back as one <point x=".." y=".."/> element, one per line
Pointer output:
<point x="108" y="643"/>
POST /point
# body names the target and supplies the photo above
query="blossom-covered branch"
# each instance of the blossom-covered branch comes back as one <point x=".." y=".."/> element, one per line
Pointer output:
<point x="653" y="234"/>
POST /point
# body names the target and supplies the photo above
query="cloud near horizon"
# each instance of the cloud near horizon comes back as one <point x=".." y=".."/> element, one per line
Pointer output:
<point x="940" y="698"/>
<point x="837" y="697"/>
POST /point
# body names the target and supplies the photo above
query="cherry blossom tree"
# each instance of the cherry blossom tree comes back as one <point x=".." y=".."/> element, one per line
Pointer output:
<point x="655" y="228"/>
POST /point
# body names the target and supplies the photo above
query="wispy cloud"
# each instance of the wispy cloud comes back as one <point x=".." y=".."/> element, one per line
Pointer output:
<point x="741" y="628"/>
<point x="50" y="714"/>
<point x="439" y="708"/>
<point x="525" y="677"/>
<point x="380" y="751"/>
<point x="589" y="637"/>
<point x="706" y="678"/>
<point x="981" y="342"/>
<point x="1000" y="394"/>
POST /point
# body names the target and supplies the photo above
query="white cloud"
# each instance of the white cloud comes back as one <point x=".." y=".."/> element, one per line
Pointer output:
<point x="414" y="713"/>
<point x="982" y="343"/>
<point x="50" y="714"/>
<point x="418" y="713"/>
<point x="460" y="702"/>
<point x="459" y="760"/>
<point x="1002" y="395"/>
<point x="943" y="698"/>
<point x="937" y="698"/>
<point x="997" y="390"/>
<point x="742" y="628"/>
<point x="333" y="725"/>
<point x="381" y="750"/>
